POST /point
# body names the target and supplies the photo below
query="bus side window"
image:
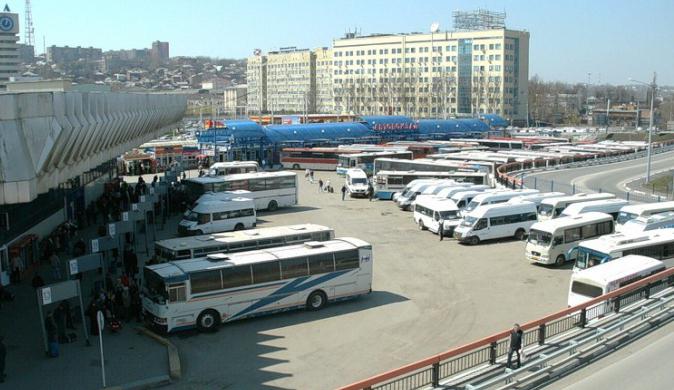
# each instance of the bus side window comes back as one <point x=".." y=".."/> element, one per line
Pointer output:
<point x="481" y="224"/>
<point x="557" y="240"/>
<point x="204" y="218"/>
<point x="177" y="293"/>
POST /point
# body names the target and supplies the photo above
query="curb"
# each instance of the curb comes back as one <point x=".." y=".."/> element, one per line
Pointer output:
<point x="149" y="383"/>
<point x="175" y="370"/>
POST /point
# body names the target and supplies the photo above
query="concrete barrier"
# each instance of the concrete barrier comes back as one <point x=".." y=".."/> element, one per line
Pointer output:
<point x="175" y="370"/>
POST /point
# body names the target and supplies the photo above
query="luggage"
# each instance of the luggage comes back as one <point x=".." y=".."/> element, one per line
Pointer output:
<point x="53" y="349"/>
<point x="114" y="325"/>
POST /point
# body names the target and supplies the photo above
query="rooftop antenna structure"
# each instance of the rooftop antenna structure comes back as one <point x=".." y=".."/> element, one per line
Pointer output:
<point x="29" y="31"/>
<point x="435" y="27"/>
<point x="479" y="19"/>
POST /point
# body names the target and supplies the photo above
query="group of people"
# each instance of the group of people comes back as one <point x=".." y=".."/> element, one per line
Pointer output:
<point x="56" y="324"/>
<point x="119" y="302"/>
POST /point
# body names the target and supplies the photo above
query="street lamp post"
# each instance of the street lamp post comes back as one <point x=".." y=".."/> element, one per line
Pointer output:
<point x="653" y="88"/>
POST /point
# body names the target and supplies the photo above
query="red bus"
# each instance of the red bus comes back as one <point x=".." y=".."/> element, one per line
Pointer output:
<point x="322" y="159"/>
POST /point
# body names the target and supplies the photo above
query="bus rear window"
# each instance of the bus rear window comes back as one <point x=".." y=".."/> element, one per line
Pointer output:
<point x="587" y="290"/>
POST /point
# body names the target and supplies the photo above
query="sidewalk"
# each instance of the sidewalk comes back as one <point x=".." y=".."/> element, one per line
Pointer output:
<point x="129" y="356"/>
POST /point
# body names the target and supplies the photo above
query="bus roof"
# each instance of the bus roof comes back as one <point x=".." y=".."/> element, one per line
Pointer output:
<point x="617" y="269"/>
<point x="576" y="208"/>
<point x="581" y="197"/>
<point x="640" y="208"/>
<point x="228" y="164"/>
<point x="430" y="173"/>
<point x="502" y="194"/>
<point x="482" y="211"/>
<point x="378" y="153"/>
<point x="550" y="226"/>
<point x="222" y="205"/>
<point x="623" y="241"/>
<point x="208" y="240"/>
<point x="356" y="173"/>
<point x="436" y="203"/>
<point x="240" y="176"/>
<point x="175" y="269"/>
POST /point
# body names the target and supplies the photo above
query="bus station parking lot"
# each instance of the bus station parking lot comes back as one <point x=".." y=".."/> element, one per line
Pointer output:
<point x="428" y="296"/>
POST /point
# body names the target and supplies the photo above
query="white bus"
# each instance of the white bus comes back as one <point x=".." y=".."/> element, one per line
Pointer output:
<point x="271" y="189"/>
<point x="219" y="288"/>
<point x="496" y="197"/>
<point x="643" y="224"/>
<point x="356" y="182"/>
<point x="430" y="212"/>
<point x="602" y="279"/>
<point x="239" y="241"/>
<point x="411" y="184"/>
<point x="658" y="244"/>
<point x="387" y="183"/>
<point x="429" y="165"/>
<point x="553" y="207"/>
<point x="550" y="241"/>
<point x="463" y="198"/>
<point x="218" y="216"/>
<point x="406" y="200"/>
<point x="496" y="221"/>
<point x="607" y="206"/>
<point x="365" y="160"/>
<point x="538" y="198"/>
<point x="233" y="167"/>
<point x="641" y="210"/>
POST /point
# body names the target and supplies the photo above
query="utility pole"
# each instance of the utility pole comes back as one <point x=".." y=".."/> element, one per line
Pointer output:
<point x="650" y="130"/>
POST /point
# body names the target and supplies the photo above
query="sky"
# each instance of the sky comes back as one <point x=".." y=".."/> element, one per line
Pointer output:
<point x="612" y="40"/>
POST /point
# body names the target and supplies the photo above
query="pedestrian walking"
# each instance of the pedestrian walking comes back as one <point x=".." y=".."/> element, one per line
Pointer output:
<point x="3" y="356"/>
<point x="55" y="263"/>
<point x="327" y="187"/>
<point x="441" y="229"/>
<point x="306" y="174"/>
<point x="515" y="345"/>
<point x="52" y="335"/>
<point x="311" y="176"/>
<point x="370" y="192"/>
<point x="343" y="191"/>
<point x="320" y="185"/>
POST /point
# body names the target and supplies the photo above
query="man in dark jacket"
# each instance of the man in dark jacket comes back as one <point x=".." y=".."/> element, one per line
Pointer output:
<point x="515" y="345"/>
<point x="3" y="354"/>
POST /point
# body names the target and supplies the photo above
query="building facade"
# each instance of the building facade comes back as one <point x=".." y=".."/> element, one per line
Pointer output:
<point x="325" y="100"/>
<point x="160" y="52"/>
<point x="9" y="49"/>
<point x="291" y="81"/>
<point x="434" y="75"/>
<point x="256" y="78"/>
<point x="235" y="101"/>
<point x="64" y="54"/>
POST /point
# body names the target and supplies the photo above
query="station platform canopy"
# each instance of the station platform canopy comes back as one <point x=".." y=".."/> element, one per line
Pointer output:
<point x="317" y="132"/>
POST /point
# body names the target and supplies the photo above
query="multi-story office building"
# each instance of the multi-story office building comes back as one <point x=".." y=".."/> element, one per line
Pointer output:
<point x="256" y="77"/>
<point x="9" y="49"/>
<point x="61" y="55"/>
<point x="291" y="81"/>
<point x="433" y="75"/>
<point x="325" y="101"/>
<point x="160" y="52"/>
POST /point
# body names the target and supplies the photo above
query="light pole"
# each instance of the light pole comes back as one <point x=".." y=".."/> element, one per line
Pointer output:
<point x="653" y="88"/>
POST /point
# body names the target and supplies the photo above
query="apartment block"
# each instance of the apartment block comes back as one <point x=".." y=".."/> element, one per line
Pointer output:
<point x="256" y="78"/>
<point x="291" y="81"/>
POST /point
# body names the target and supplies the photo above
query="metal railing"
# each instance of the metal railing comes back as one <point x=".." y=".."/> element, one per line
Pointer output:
<point x="485" y="352"/>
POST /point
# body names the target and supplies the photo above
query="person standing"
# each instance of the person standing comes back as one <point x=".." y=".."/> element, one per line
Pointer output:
<point x="441" y="229"/>
<point x="311" y="176"/>
<point x="52" y="335"/>
<point x="327" y="186"/>
<point x="55" y="266"/>
<point x="320" y="185"/>
<point x="515" y="345"/>
<point x="370" y="192"/>
<point x="343" y="191"/>
<point x="3" y="355"/>
<point x="306" y="174"/>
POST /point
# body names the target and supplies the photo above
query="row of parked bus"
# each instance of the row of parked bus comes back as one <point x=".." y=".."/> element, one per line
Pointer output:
<point x="204" y="281"/>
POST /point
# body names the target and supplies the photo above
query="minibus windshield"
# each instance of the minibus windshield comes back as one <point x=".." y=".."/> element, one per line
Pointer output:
<point x="468" y="221"/>
<point x="539" y="237"/>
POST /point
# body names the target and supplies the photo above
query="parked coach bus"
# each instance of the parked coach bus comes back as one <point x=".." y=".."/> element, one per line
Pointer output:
<point x="365" y="160"/>
<point x="239" y="241"/>
<point x="387" y="183"/>
<point x="206" y="292"/>
<point x="320" y="159"/>
<point x="553" y="207"/>
<point x="271" y="189"/>
<point x="232" y="168"/>
<point x="633" y="211"/>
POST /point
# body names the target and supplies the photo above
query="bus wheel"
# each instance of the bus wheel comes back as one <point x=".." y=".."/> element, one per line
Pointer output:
<point x="519" y="234"/>
<point x="474" y="240"/>
<point x="208" y="320"/>
<point x="239" y="226"/>
<point x="560" y="260"/>
<point x="421" y="225"/>
<point x="296" y="166"/>
<point x="200" y="233"/>
<point x="272" y="206"/>
<point x="316" y="300"/>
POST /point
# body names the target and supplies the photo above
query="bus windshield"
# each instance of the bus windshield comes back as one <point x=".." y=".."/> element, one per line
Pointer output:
<point x="539" y="237"/>
<point x="545" y="210"/>
<point x="155" y="289"/>
<point x="472" y="206"/>
<point x="587" y="258"/>
<point x="191" y="216"/>
<point x="359" y="181"/>
<point x="624" y="217"/>
<point x="448" y="214"/>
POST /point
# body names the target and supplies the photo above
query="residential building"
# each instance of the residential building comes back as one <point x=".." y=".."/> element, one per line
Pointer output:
<point x="433" y="75"/>
<point x="235" y="101"/>
<point x="160" y="52"/>
<point x="291" y="81"/>
<point x="66" y="54"/>
<point x="9" y="50"/>
<point x="26" y="53"/>
<point x="325" y="102"/>
<point x="256" y="78"/>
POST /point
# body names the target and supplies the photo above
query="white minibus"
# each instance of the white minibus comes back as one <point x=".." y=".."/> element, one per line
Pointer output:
<point x="463" y="198"/>
<point x="550" y="241"/>
<point x="536" y="198"/>
<point x="449" y="192"/>
<point x="496" y="221"/>
<point x="208" y="291"/>
<point x="602" y="279"/>
<point x="405" y="201"/>
<point x="356" y="182"/>
<point x="233" y="167"/>
<point x="655" y="221"/>
<point x="410" y="185"/>
<point x="218" y="216"/>
<point x="239" y="241"/>
<point x="551" y="208"/>
<point x="495" y="197"/>
<point x="607" y="206"/>
<point x="430" y="212"/>
<point x="641" y="210"/>
<point x="658" y="244"/>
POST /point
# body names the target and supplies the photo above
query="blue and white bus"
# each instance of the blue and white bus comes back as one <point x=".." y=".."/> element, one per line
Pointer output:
<point x="207" y="292"/>
<point x="365" y="160"/>
<point x="388" y="183"/>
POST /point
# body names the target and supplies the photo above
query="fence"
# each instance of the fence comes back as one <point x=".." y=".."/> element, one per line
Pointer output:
<point x="429" y="371"/>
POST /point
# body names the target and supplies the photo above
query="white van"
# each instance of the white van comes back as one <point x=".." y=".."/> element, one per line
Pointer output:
<point x="405" y="201"/>
<point x="642" y="210"/>
<point x="536" y="198"/>
<point x="216" y="216"/>
<point x="356" y="182"/>
<point x="495" y="197"/>
<point x="607" y="206"/>
<point x="604" y="278"/>
<point x="409" y="186"/>
<point x="449" y="192"/>
<point x="642" y="224"/>
<point x="551" y="208"/>
<point x="430" y="211"/>
<point x="221" y="196"/>
<point x="463" y="198"/>
<point x="496" y="221"/>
